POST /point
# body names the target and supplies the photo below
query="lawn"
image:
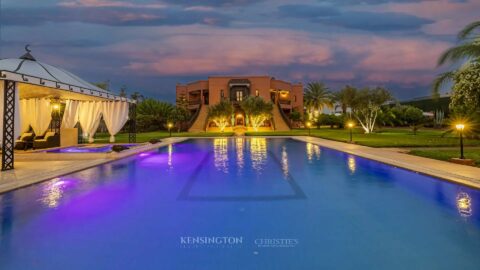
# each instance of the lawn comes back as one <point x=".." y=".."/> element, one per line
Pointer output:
<point x="146" y="136"/>
<point x="447" y="154"/>
<point x="389" y="137"/>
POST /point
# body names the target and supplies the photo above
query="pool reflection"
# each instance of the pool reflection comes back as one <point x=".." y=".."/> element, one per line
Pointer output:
<point x="220" y="152"/>
<point x="464" y="204"/>
<point x="258" y="152"/>
<point x="313" y="151"/>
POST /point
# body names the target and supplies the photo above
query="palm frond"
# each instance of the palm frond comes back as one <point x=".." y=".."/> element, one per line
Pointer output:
<point x="468" y="30"/>
<point x="464" y="51"/>
<point x="440" y="81"/>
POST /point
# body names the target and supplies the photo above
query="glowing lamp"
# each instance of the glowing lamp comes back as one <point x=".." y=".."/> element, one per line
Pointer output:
<point x="460" y="127"/>
<point x="56" y="106"/>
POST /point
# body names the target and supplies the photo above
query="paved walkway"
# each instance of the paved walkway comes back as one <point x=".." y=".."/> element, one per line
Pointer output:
<point x="466" y="175"/>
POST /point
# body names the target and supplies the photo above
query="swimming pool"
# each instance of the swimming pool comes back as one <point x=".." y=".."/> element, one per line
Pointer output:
<point x="87" y="149"/>
<point x="241" y="204"/>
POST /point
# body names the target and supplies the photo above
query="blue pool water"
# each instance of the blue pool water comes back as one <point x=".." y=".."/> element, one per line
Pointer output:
<point x="241" y="204"/>
<point x="86" y="149"/>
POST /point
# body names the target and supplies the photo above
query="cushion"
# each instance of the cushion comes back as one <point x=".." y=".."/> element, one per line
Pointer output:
<point x="24" y="135"/>
<point x="49" y="134"/>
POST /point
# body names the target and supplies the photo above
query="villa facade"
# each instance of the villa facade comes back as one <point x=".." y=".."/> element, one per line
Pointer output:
<point x="199" y="95"/>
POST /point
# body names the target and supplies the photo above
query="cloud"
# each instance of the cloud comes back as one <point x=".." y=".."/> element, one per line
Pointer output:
<point x="112" y="16"/>
<point x="307" y="11"/>
<point x="108" y="3"/>
<point x="376" y="21"/>
<point x="214" y="3"/>
<point x="223" y="51"/>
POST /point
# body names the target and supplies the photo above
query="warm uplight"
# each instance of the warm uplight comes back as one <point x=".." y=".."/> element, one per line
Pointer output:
<point x="56" y="106"/>
<point x="460" y="127"/>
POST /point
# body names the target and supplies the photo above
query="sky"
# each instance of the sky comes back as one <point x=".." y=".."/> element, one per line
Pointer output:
<point x="151" y="45"/>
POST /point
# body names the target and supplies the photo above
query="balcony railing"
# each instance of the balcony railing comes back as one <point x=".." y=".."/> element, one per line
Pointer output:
<point x="194" y="102"/>
<point x="284" y="102"/>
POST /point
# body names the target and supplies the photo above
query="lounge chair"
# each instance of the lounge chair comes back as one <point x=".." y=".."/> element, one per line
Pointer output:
<point x="25" y="141"/>
<point x="50" y="139"/>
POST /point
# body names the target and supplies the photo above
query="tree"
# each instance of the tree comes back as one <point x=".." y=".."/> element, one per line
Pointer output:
<point x="179" y="116"/>
<point x="367" y="104"/>
<point x="468" y="49"/>
<point x="153" y="114"/>
<point x="345" y="97"/>
<point x="221" y="114"/>
<point x="414" y="117"/>
<point x="257" y="110"/>
<point x="137" y="96"/>
<point x="317" y="97"/>
<point x="465" y="99"/>
<point x="123" y="91"/>
<point x="103" y="85"/>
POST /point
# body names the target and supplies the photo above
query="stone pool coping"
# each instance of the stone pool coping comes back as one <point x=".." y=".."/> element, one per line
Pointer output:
<point x="29" y="172"/>
<point x="40" y="167"/>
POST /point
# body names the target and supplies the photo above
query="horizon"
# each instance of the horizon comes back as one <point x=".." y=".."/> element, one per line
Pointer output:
<point x="150" y="45"/>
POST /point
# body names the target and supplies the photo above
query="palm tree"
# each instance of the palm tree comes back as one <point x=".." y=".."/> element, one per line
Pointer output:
<point x="468" y="49"/>
<point x="317" y="97"/>
<point x="345" y="97"/>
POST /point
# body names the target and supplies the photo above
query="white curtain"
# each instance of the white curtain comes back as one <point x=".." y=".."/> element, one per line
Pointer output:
<point x="24" y="115"/>
<point x="89" y="114"/>
<point x="70" y="116"/>
<point x="40" y="114"/>
<point x="115" y="115"/>
<point x="17" y="112"/>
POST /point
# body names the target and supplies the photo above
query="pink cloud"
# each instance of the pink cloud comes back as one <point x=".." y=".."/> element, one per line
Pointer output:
<point x="212" y="51"/>
<point x="394" y="54"/>
<point x="106" y="3"/>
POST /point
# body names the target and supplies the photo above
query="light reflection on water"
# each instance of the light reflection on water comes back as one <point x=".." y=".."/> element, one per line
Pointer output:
<point x="285" y="161"/>
<point x="352" y="164"/>
<point x="170" y="153"/>
<point x="313" y="151"/>
<point x="258" y="152"/>
<point x="239" y="146"/>
<point x="220" y="153"/>
<point x="464" y="204"/>
<point x="53" y="193"/>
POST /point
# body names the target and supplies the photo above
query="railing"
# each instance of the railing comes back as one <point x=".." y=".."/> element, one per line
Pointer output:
<point x="284" y="116"/>
<point x="195" y="102"/>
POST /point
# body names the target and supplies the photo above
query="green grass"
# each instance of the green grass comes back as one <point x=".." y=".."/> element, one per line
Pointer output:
<point x="146" y="136"/>
<point x="447" y="154"/>
<point x="391" y="137"/>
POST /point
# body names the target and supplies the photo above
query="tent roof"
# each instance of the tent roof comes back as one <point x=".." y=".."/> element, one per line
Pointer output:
<point x="28" y="70"/>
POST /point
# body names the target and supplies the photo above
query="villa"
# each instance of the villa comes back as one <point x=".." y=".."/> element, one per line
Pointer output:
<point x="199" y="95"/>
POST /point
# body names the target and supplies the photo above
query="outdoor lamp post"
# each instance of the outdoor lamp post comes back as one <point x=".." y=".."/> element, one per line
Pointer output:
<point x="350" y="127"/>
<point x="170" y="125"/>
<point x="460" y="127"/>
<point x="308" y="124"/>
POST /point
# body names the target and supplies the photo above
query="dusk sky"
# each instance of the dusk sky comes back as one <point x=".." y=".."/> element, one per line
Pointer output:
<point x="151" y="45"/>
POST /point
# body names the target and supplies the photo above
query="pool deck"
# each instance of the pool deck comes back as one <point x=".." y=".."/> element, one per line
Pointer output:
<point x="462" y="174"/>
<point x="37" y="167"/>
<point x="41" y="167"/>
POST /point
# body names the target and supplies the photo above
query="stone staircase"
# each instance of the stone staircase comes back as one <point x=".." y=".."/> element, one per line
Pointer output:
<point x="278" y="120"/>
<point x="201" y="120"/>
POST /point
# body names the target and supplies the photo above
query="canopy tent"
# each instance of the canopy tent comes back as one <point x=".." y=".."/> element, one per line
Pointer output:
<point x="26" y="88"/>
